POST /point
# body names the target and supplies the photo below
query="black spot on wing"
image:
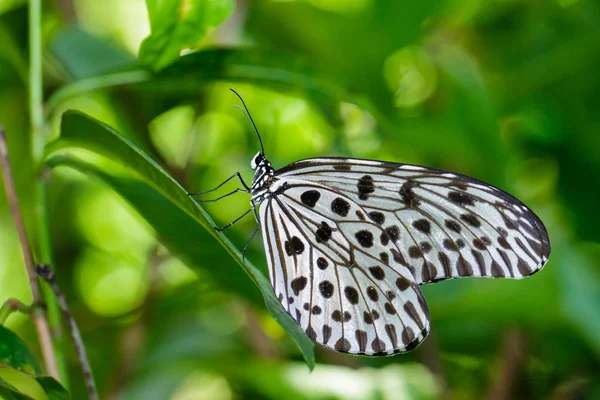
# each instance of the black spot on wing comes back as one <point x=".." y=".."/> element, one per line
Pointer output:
<point x="471" y="220"/>
<point x="310" y="198"/>
<point x="402" y="283"/>
<point x="398" y="257"/>
<point x="365" y="238"/>
<point x="480" y="261"/>
<point x="299" y="284"/>
<point x="342" y="345"/>
<point x="347" y="316"/>
<point x="414" y="252"/>
<point x="326" y="288"/>
<point x="377" y="217"/>
<point x="463" y="267"/>
<point x="322" y="263"/>
<point x="445" y="261"/>
<point x="310" y="332"/>
<point x="326" y="333"/>
<point x="461" y="199"/>
<point x="422" y="225"/>
<point x="410" y="309"/>
<point x="351" y="294"/>
<point x="372" y="293"/>
<point x="497" y="271"/>
<point x="361" y="338"/>
<point x="342" y="167"/>
<point x="340" y="206"/>
<point x="377" y="272"/>
<point x="336" y="316"/>
<point x="293" y="246"/>
<point x="323" y="233"/>
<point x="453" y="225"/>
<point x="393" y="232"/>
<point x="478" y="244"/>
<point x="365" y="187"/>
<point x="407" y="336"/>
<point x="407" y="196"/>
<point x="378" y="345"/>
<point x="391" y="332"/>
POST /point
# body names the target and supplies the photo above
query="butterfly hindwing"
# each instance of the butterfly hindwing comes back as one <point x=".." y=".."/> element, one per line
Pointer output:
<point x="445" y="225"/>
<point x="348" y="288"/>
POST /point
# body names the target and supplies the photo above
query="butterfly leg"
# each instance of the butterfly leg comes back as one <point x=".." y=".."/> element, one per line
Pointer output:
<point x="248" y="243"/>
<point x="234" y="221"/>
<point x="220" y="197"/>
<point x="237" y="174"/>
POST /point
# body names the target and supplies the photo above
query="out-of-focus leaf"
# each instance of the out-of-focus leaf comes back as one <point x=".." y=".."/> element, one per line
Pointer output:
<point x="11" y="56"/>
<point x="88" y="85"/>
<point x="15" y="353"/>
<point x="9" y="392"/>
<point x="277" y="70"/>
<point x="191" y="73"/>
<point x="177" y="25"/>
<point x="84" y="56"/>
<point x="7" y="5"/>
<point x="53" y="388"/>
<point x="81" y="131"/>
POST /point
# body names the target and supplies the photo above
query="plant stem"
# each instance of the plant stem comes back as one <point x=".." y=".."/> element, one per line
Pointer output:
<point x="9" y="307"/>
<point x="38" y="316"/>
<point x="46" y="273"/>
<point x="38" y="139"/>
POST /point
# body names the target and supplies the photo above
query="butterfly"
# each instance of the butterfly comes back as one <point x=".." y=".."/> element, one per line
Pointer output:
<point x="348" y="242"/>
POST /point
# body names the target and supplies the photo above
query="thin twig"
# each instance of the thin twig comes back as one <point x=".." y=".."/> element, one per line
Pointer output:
<point x="45" y="272"/>
<point x="39" y="315"/>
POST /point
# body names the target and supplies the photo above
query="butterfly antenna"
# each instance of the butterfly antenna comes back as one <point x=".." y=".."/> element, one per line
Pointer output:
<point x="262" y="148"/>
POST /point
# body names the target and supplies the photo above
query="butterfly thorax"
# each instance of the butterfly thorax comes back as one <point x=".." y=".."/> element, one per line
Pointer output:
<point x="263" y="177"/>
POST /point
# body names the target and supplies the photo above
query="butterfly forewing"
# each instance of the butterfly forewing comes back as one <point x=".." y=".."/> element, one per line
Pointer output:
<point x="444" y="225"/>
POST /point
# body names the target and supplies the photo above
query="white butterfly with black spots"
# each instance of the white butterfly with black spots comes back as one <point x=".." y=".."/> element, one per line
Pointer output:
<point x="349" y="241"/>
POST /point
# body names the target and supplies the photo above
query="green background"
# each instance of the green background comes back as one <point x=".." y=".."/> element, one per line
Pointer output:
<point x="506" y="91"/>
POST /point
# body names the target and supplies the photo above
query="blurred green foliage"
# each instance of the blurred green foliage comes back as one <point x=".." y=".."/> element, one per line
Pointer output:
<point x="506" y="91"/>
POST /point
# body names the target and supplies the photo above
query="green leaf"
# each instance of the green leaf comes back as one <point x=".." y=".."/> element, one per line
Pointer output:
<point x="83" y="55"/>
<point x="166" y="205"/>
<point x="177" y="25"/>
<point x="15" y="353"/>
<point x="9" y="392"/>
<point x="8" y="5"/>
<point x="53" y="388"/>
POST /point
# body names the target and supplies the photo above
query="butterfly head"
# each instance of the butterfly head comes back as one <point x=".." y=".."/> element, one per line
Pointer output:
<point x="264" y="172"/>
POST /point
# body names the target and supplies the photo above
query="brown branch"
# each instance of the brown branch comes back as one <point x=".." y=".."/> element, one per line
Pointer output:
<point x="45" y="272"/>
<point x="38" y="315"/>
